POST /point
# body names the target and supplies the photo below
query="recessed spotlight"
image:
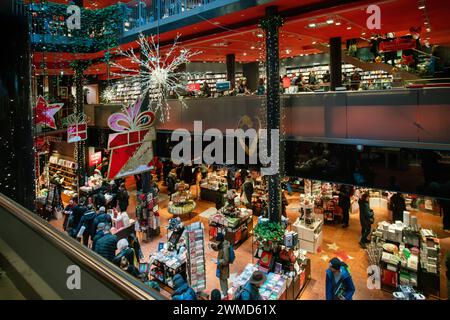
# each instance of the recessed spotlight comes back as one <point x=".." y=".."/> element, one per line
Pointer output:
<point x="314" y="42"/>
<point x="428" y="29"/>
<point x="288" y="51"/>
<point x="363" y="33"/>
<point x="245" y="53"/>
<point x="252" y="47"/>
<point x="330" y="21"/>
<point x="338" y="23"/>
<point x="312" y="25"/>
<point x="260" y="35"/>
<point x="349" y="28"/>
<point x="421" y="7"/>
<point x="216" y="23"/>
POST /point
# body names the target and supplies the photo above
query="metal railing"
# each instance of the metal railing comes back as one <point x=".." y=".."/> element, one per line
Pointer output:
<point x="142" y="12"/>
<point x="113" y="278"/>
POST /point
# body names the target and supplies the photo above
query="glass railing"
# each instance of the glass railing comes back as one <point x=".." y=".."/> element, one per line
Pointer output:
<point x="144" y="12"/>
<point x="50" y="265"/>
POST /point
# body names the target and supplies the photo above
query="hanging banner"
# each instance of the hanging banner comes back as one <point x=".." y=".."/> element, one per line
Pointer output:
<point x="76" y="128"/>
<point x="397" y="44"/>
<point x="95" y="159"/>
<point x="132" y="146"/>
<point x="44" y="113"/>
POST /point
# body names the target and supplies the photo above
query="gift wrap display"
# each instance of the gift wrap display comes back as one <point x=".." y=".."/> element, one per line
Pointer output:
<point x="76" y="127"/>
<point x="132" y="144"/>
<point x="235" y="223"/>
<point x="165" y="264"/>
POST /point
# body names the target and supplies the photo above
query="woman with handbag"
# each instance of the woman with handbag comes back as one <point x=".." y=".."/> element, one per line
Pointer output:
<point x="366" y="217"/>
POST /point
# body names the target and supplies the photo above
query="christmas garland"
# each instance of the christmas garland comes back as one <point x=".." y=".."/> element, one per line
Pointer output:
<point x="269" y="232"/>
<point x="100" y="29"/>
<point x="269" y="22"/>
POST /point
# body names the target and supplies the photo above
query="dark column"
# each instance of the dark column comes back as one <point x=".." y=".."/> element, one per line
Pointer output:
<point x="271" y="23"/>
<point x="251" y="72"/>
<point x="335" y="62"/>
<point x="79" y="3"/>
<point x="16" y="139"/>
<point x="231" y="69"/>
<point x="53" y="88"/>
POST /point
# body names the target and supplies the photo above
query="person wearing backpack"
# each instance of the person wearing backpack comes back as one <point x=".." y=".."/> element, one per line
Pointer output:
<point x="85" y="226"/>
<point x="339" y="283"/>
<point x="225" y="256"/>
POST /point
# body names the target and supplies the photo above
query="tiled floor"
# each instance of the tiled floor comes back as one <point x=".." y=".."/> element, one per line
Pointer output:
<point x="346" y="241"/>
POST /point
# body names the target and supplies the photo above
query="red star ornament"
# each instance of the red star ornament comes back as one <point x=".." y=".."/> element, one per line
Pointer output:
<point x="45" y="113"/>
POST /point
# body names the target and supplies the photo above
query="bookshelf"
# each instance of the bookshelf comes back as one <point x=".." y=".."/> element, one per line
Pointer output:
<point x="68" y="171"/>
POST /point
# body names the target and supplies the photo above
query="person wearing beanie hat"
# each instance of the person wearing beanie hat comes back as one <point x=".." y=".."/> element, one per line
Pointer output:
<point x="223" y="262"/>
<point x="339" y="283"/>
<point x="182" y="291"/>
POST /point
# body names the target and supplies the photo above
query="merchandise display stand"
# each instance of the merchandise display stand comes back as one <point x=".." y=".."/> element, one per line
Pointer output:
<point x="181" y="201"/>
<point x="148" y="216"/>
<point x="310" y="235"/>
<point x="196" y="262"/>
<point x="236" y="226"/>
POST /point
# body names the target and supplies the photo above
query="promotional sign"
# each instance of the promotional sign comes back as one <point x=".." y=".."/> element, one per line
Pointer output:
<point x="132" y="146"/>
<point x="223" y="85"/>
<point x="76" y="128"/>
<point x="397" y="44"/>
<point x="193" y="87"/>
<point x="95" y="159"/>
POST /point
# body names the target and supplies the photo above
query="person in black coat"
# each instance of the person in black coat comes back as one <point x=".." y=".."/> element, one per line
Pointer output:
<point x="106" y="244"/>
<point x="398" y="205"/>
<point x="74" y="220"/>
<point x="366" y="217"/>
<point x="135" y="245"/>
<point x="126" y="266"/>
<point x="247" y="190"/>
<point x="123" y="198"/>
<point x="102" y="217"/>
<point x="99" y="200"/>
<point x="124" y="251"/>
<point x="87" y="221"/>
<point x="98" y="234"/>
<point x="344" y="204"/>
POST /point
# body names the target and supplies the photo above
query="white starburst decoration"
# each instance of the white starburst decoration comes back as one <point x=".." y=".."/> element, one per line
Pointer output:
<point x="108" y="94"/>
<point x="158" y="75"/>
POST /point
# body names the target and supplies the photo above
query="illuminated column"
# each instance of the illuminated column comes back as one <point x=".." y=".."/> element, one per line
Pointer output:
<point x="271" y="24"/>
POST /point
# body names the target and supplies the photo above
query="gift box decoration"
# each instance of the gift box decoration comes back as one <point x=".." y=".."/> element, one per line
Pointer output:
<point x="132" y="144"/>
<point x="76" y="127"/>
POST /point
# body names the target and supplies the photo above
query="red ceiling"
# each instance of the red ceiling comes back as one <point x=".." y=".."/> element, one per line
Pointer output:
<point x="295" y="37"/>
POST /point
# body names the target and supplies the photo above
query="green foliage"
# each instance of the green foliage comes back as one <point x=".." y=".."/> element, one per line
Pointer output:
<point x="100" y="29"/>
<point x="269" y="231"/>
<point x="269" y="22"/>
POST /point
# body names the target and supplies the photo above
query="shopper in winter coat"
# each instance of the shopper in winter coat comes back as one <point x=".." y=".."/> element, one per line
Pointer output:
<point x="251" y="288"/>
<point x="223" y="262"/>
<point x="106" y="244"/>
<point x="182" y="291"/>
<point x="99" y="200"/>
<point x="135" y="245"/>
<point x="124" y="251"/>
<point x="247" y="191"/>
<point x="86" y="222"/>
<point x="98" y="234"/>
<point x="339" y="283"/>
<point x="122" y="198"/>
<point x="344" y="204"/>
<point x="67" y="213"/>
<point x="398" y="205"/>
<point x="102" y="217"/>
<point x="128" y="267"/>
<point x="74" y="220"/>
<point x="366" y="217"/>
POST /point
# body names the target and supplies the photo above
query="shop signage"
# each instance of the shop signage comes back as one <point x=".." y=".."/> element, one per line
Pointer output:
<point x="76" y="128"/>
<point x="223" y="85"/>
<point x="193" y="87"/>
<point x="95" y="159"/>
<point x="132" y="145"/>
<point x="397" y="44"/>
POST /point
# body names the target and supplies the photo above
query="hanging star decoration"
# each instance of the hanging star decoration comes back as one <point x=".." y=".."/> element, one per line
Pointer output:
<point x="45" y="113"/>
<point x="157" y="74"/>
<point x="108" y="94"/>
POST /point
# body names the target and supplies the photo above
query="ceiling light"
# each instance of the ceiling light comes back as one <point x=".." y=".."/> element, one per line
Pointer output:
<point x="216" y="23"/>
<point x="421" y="7"/>
<point x="312" y="25"/>
<point x="349" y="28"/>
<point x="330" y="21"/>
<point x="338" y="23"/>
<point x="363" y="33"/>
<point x="428" y="29"/>
<point x="260" y="35"/>
<point x="245" y="53"/>
<point x="314" y="42"/>
<point x="252" y="47"/>
<point x="288" y="51"/>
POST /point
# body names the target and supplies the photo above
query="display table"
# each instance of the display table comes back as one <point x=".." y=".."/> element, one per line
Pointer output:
<point x="310" y="237"/>
<point x="208" y="194"/>
<point x="236" y="229"/>
<point x="164" y="265"/>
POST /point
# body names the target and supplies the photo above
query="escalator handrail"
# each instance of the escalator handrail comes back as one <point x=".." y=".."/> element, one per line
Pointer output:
<point x="118" y="280"/>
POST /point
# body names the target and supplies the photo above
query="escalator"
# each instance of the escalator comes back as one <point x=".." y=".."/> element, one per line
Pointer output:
<point x="41" y="263"/>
